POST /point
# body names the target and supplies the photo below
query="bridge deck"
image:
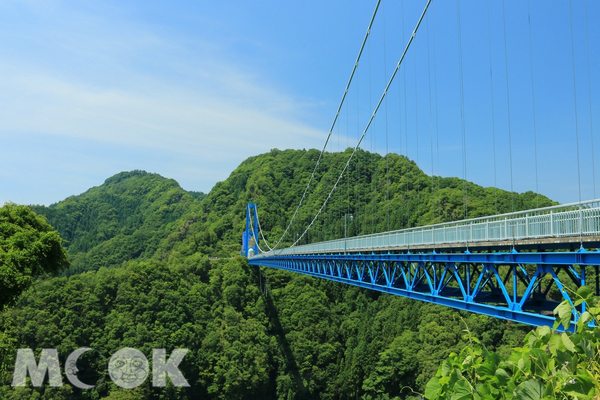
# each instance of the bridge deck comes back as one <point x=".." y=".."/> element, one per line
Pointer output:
<point x="518" y="286"/>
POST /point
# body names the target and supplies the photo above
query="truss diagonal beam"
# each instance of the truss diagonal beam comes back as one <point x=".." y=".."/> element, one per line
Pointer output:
<point x="462" y="281"/>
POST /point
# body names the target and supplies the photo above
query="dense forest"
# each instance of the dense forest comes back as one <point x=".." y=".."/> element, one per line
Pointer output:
<point x="154" y="266"/>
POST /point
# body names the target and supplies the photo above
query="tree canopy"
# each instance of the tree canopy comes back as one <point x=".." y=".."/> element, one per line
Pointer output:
<point x="29" y="247"/>
<point x="155" y="266"/>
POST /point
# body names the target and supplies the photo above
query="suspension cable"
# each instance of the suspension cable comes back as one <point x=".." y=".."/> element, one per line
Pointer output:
<point x="587" y="55"/>
<point x="575" y="100"/>
<point x="437" y="136"/>
<point x="430" y="128"/>
<point x="261" y="232"/>
<point x="357" y="130"/>
<point x="372" y="164"/>
<point x="576" y="122"/>
<point x="332" y="125"/>
<point x="535" y="155"/>
<point x="493" y="108"/>
<point x="417" y="136"/>
<point x="462" y="112"/>
<point x="414" y="33"/>
<point x="407" y="208"/>
<point x="512" y="193"/>
<point x="387" y="162"/>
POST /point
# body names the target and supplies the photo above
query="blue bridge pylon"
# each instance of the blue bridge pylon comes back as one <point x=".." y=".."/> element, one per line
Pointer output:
<point x="250" y="235"/>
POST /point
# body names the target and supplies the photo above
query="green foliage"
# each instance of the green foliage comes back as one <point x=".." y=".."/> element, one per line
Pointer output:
<point x="29" y="247"/>
<point x="306" y="339"/>
<point x="154" y="267"/>
<point x="150" y="305"/>
<point x="276" y="180"/>
<point x="123" y="219"/>
<point x="138" y="215"/>
<point x="550" y="365"/>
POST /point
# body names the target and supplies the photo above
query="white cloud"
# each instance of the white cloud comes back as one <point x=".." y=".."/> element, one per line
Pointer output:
<point x="158" y="118"/>
<point x="95" y="79"/>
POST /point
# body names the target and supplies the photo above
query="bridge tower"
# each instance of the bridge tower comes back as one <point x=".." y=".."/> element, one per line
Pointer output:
<point x="250" y="235"/>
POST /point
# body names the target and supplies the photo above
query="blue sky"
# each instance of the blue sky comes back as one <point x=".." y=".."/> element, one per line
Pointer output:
<point x="191" y="89"/>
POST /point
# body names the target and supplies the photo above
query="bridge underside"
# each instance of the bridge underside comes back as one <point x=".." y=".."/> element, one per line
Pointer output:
<point x="523" y="287"/>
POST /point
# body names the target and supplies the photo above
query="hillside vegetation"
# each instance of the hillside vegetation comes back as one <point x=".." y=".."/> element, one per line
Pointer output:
<point x="123" y="219"/>
<point x="154" y="266"/>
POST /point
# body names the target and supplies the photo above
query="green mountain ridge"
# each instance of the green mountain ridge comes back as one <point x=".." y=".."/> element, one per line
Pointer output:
<point x="142" y="215"/>
<point x="142" y="277"/>
<point x="276" y="180"/>
<point x="120" y="220"/>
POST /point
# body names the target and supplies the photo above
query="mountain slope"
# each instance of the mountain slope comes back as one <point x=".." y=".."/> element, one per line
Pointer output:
<point x="402" y="197"/>
<point x="141" y="215"/>
<point x="252" y="333"/>
<point x="123" y="219"/>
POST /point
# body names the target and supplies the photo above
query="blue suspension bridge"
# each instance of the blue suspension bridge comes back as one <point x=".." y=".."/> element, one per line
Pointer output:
<point x="505" y="265"/>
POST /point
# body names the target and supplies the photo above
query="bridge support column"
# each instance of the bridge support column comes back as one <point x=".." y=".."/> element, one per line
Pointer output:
<point x="250" y="236"/>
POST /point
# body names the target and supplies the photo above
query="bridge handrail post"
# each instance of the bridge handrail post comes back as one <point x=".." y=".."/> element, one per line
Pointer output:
<point x="580" y="219"/>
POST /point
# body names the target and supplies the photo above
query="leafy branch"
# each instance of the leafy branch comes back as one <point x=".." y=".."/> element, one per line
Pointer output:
<point x="550" y="365"/>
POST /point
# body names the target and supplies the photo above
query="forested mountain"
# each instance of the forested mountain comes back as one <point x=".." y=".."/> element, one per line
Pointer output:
<point x="381" y="193"/>
<point x="160" y="271"/>
<point x="123" y="219"/>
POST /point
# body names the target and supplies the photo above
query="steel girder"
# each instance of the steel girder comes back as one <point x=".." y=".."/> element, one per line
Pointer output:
<point x="513" y="286"/>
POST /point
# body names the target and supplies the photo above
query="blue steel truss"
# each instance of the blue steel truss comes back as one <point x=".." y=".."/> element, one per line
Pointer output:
<point x="513" y="286"/>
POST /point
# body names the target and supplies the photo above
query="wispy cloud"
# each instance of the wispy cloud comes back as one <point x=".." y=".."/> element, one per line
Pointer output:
<point x="172" y="119"/>
<point x="91" y="74"/>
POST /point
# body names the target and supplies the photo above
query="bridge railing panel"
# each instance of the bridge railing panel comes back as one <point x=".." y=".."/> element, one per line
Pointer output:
<point x="539" y="225"/>
<point x="556" y="221"/>
<point x="591" y="221"/>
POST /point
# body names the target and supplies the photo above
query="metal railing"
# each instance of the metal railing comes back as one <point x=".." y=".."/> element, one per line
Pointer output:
<point x="572" y="219"/>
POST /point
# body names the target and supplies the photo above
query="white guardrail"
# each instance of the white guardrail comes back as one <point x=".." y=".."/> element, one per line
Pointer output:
<point x="557" y="221"/>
